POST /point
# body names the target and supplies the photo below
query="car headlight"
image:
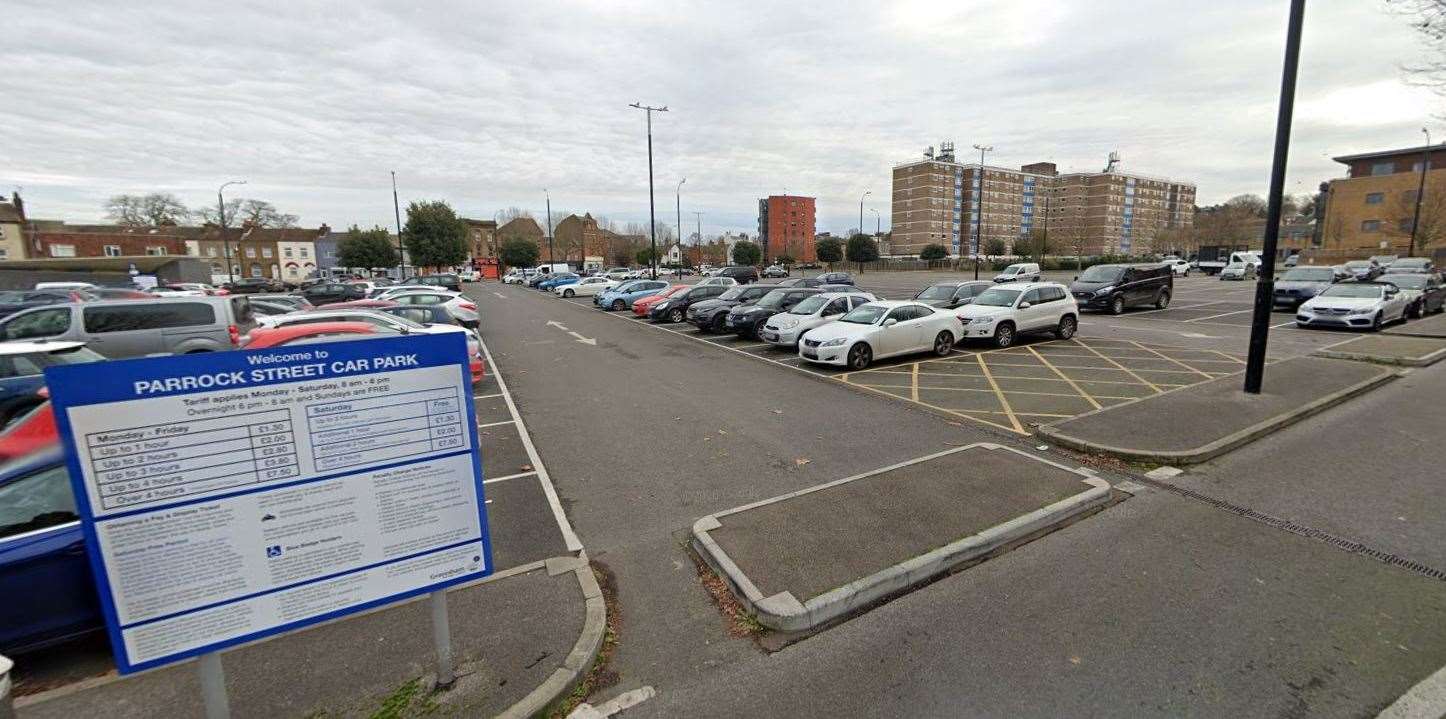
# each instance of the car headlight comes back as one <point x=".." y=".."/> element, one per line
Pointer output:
<point x="1105" y="290"/>
<point x="1363" y="310"/>
<point x="663" y="305"/>
<point x="835" y="342"/>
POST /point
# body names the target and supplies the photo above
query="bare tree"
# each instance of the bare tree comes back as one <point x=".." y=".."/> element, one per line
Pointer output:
<point x="1431" y="228"/>
<point x="510" y="214"/>
<point x="262" y="214"/>
<point x="1428" y="18"/>
<point x="156" y="209"/>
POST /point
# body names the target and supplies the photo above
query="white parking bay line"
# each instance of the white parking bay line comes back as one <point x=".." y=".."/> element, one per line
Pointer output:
<point x="486" y="396"/>
<point x="568" y="535"/>
<point x="507" y="477"/>
<point x="496" y="424"/>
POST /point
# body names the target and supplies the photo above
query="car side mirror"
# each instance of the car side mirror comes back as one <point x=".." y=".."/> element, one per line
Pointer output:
<point x="890" y="322"/>
<point x="1024" y="305"/>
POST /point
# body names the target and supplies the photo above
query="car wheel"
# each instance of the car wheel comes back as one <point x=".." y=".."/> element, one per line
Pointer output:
<point x="757" y="329"/>
<point x="1377" y="322"/>
<point x="720" y="324"/>
<point x="568" y="293"/>
<point x="1004" y="335"/>
<point x="676" y="315"/>
<point x="1162" y="300"/>
<point x="1416" y="311"/>
<point x="1067" y="325"/>
<point x="860" y="357"/>
<point x="944" y="343"/>
<point x="1117" y="305"/>
<point x="619" y="305"/>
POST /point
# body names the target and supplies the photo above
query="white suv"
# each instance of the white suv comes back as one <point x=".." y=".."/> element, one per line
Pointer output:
<point x="1019" y="272"/>
<point x="1002" y="313"/>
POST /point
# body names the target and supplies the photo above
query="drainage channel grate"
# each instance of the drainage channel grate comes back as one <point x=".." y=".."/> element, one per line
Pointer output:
<point x="1341" y="543"/>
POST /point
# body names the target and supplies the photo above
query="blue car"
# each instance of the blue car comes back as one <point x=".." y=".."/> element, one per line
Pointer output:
<point x="21" y="364"/>
<point x="44" y="574"/>
<point x="558" y="280"/>
<point x="622" y="296"/>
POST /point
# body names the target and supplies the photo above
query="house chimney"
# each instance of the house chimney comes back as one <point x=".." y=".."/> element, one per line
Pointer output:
<point x="19" y="204"/>
<point x="324" y="230"/>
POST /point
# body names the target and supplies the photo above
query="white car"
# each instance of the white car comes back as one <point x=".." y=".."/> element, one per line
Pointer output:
<point x="1358" y="305"/>
<point x="65" y="286"/>
<point x="877" y="330"/>
<point x="460" y="307"/>
<point x="719" y="281"/>
<point x="1003" y="313"/>
<point x="175" y="291"/>
<point x="387" y="293"/>
<point x="1180" y="267"/>
<point x="586" y="287"/>
<point x="617" y="273"/>
<point x="784" y="328"/>
<point x="1019" y="272"/>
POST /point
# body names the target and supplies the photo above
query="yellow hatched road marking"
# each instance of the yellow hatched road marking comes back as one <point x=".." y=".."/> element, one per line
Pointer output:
<point x="946" y="410"/>
<point x="1196" y="370"/>
<point x="1125" y="369"/>
<point x="1066" y="378"/>
<point x="1003" y="401"/>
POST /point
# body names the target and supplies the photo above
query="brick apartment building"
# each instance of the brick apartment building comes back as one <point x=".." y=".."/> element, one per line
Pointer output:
<point x="786" y="227"/>
<point x="481" y="237"/>
<point x="1370" y="210"/>
<point x="939" y="200"/>
<point x="579" y="239"/>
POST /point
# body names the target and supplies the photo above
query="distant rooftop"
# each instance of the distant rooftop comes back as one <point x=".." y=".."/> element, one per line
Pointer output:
<point x="1380" y="154"/>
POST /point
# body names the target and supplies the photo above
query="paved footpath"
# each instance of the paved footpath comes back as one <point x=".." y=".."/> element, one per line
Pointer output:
<point x="1162" y="605"/>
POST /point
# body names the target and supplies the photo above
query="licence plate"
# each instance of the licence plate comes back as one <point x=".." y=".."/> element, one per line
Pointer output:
<point x="770" y="336"/>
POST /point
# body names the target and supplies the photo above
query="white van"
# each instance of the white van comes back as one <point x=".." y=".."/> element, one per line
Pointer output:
<point x="1019" y="272"/>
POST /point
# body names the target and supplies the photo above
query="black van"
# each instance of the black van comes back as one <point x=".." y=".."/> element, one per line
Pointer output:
<point x="741" y="274"/>
<point x="1116" y="287"/>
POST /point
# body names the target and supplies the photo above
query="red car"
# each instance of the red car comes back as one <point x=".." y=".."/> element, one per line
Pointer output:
<point x="641" y="306"/>
<point x="263" y="337"/>
<point x="31" y="432"/>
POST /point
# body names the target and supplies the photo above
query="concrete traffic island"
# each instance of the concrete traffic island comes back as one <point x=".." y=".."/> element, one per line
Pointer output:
<point x="1196" y="423"/>
<point x="1399" y="349"/>
<point x="523" y="639"/>
<point x="1434" y="326"/>
<point x="805" y="558"/>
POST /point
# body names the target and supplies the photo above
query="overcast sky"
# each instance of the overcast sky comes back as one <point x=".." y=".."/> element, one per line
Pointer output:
<point x="485" y="104"/>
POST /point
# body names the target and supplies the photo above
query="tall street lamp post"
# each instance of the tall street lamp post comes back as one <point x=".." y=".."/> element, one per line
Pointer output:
<point x="878" y="223"/>
<point x="652" y="215"/>
<point x="678" y="207"/>
<point x="861" y="209"/>
<point x="551" y="253"/>
<point x="397" y="210"/>
<point x="221" y="220"/>
<point x="698" y="238"/>
<point x="1265" y="284"/>
<point x="979" y="213"/>
<point x="1420" y="190"/>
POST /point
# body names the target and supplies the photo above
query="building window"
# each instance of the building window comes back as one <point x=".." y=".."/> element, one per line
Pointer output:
<point x="287" y="252"/>
<point x="62" y="250"/>
<point x="1371" y="226"/>
<point x="303" y="251"/>
<point x="4" y="253"/>
<point x="1375" y="198"/>
<point x="1383" y="168"/>
<point x="155" y="251"/>
<point x="255" y="270"/>
<point x="210" y="252"/>
<point x="111" y="250"/>
<point x="266" y="252"/>
<point x="251" y="252"/>
<point x="1405" y="224"/>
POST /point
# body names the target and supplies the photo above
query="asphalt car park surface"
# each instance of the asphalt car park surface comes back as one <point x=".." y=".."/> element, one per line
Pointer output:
<point x="1113" y="359"/>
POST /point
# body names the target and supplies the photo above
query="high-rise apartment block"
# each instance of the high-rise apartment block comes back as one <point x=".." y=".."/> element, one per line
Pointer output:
<point x="939" y="200"/>
<point x="785" y="227"/>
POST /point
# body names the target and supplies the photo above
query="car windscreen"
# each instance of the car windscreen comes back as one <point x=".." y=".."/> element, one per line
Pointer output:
<point x="997" y="297"/>
<point x="1406" y="282"/>
<point x="1351" y="290"/>
<point x="1102" y="273"/>
<point x="937" y="292"/>
<point x="1358" y="265"/>
<point x="809" y="305"/>
<point x="733" y="294"/>
<point x="33" y="363"/>
<point x="1313" y="274"/>
<point x="773" y="300"/>
<point x="1417" y="264"/>
<point x="865" y="315"/>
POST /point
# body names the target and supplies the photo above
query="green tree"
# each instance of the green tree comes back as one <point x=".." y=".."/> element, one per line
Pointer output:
<point x="367" y="248"/>
<point x="645" y="257"/>
<point x="829" y="250"/>
<point x="518" y="252"/>
<point x="933" y="253"/>
<point x="746" y="253"/>
<point x="434" y="236"/>
<point x="994" y="247"/>
<point x="784" y="260"/>
<point x="861" y="249"/>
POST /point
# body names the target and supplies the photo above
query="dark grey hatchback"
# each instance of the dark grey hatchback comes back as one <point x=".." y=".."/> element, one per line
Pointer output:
<point x="1300" y="284"/>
